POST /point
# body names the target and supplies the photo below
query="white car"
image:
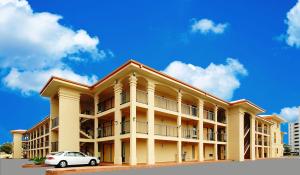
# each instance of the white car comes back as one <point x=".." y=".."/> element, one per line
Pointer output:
<point x="66" y="158"/>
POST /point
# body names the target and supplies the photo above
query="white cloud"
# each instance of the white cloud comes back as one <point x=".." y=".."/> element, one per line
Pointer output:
<point x="293" y="22"/>
<point x="34" y="43"/>
<point x="291" y="114"/>
<point x="35" y="80"/>
<point x="220" y="80"/>
<point x="205" y="26"/>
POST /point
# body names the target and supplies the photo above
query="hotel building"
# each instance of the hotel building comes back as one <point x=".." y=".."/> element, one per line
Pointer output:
<point x="294" y="136"/>
<point x="140" y="115"/>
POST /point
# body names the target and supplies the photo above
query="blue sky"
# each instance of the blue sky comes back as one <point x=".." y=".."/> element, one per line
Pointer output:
<point x="236" y="49"/>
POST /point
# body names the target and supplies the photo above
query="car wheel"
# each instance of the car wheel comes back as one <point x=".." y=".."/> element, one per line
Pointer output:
<point x="62" y="164"/>
<point x="93" y="162"/>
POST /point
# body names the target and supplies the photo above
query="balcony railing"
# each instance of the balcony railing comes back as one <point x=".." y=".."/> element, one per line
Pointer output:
<point x="189" y="133"/>
<point x="46" y="130"/>
<point x="106" y="104"/>
<point x="222" y="137"/>
<point x="125" y="127"/>
<point x="105" y="131"/>
<point x="259" y="129"/>
<point x="166" y="103"/>
<point x="55" y="122"/>
<point x="189" y="109"/>
<point x="142" y="127"/>
<point x="209" y="136"/>
<point x="208" y="115"/>
<point x="165" y="130"/>
<point x="54" y="146"/>
<point x="222" y="120"/>
<point x="141" y="96"/>
<point x="259" y="142"/>
<point x="125" y="97"/>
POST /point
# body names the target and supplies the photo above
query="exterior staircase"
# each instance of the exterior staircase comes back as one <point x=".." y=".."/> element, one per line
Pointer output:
<point x="246" y="139"/>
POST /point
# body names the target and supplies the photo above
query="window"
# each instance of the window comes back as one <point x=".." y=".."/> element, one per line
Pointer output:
<point x="77" y="154"/>
<point x="70" y="154"/>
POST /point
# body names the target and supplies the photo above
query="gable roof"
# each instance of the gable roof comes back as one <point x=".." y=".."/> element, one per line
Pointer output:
<point x="141" y="66"/>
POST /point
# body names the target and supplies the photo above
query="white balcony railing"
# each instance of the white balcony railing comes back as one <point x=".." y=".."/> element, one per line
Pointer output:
<point x="141" y="96"/>
<point x="166" y="103"/>
<point x="189" y="109"/>
<point x="208" y="115"/>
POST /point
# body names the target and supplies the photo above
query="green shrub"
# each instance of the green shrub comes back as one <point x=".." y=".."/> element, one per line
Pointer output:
<point x="39" y="160"/>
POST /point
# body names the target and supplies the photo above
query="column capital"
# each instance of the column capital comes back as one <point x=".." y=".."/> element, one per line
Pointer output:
<point x="150" y="85"/>
<point x="216" y="107"/>
<point x="118" y="86"/>
<point x="200" y="102"/>
<point x="68" y="93"/>
<point x="179" y="96"/>
<point x="133" y="79"/>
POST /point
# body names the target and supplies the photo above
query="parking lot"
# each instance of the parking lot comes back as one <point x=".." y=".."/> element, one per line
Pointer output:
<point x="271" y="166"/>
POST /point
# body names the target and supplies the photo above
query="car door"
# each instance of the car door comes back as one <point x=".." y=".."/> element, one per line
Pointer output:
<point x="70" y="158"/>
<point x="82" y="159"/>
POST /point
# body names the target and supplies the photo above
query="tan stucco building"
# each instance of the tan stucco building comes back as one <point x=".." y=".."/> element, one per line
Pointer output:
<point x="140" y="115"/>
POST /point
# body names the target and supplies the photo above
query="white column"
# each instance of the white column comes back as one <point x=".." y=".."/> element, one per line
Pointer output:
<point x="200" y="129"/>
<point x="263" y="140"/>
<point x="133" y="84"/>
<point x="216" y="134"/>
<point x="227" y="130"/>
<point x="117" y="124"/>
<point x="150" y="118"/>
<point x="179" y="156"/>
<point x="252" y="137"/>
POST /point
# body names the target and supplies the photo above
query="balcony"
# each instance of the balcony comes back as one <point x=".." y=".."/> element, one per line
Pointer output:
<point x="189" y="110"/>
<point x="142" y="127"/>
<point x="259" y="129"/>
<point x="165" y="103"/>
<point x="54" y="146"/>
<point x="106" y="104"/>
<point x="266" y="143"/>
<point x="258" y="142"/>
<point x="125" y="127"/>
<point x="222" y="120"/>
<point x="46" y="130"/>
<point x="105" y="131"/>
<point x="165" y="130"/>
<point x="210" y="136"/>
<point x="125" y="97"/>
<point x="208" y="115"/>
<point x="222" y="137"/>
<point x="141" y="96"/>
<point x="54" y="122"/>
<point x="189" y="133"/>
